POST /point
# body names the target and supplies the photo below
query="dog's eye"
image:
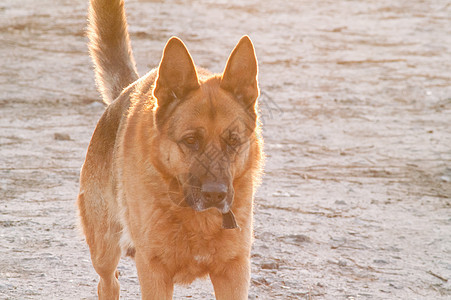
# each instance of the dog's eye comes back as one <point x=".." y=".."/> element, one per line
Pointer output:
<point x="192" y="142"/>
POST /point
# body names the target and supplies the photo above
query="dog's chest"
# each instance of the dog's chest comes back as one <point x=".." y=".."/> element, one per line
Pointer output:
<point x="202" y="259"/>
<point x="193" y="267"/>
<point x="194" y="258"/>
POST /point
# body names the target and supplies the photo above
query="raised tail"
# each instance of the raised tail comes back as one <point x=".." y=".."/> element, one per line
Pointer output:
<point x="109" y="47"/>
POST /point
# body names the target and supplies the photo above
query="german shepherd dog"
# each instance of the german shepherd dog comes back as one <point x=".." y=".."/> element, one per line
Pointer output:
<point x="172" y="166"/>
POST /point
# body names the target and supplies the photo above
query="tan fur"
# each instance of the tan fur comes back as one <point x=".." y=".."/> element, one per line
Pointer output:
<point x="109" y="46"/>
<point x="139" y="147"/>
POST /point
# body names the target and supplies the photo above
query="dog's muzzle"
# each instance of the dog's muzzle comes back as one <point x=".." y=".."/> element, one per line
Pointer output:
<point x="215" y="195"/>
<point x="189" y="191"/>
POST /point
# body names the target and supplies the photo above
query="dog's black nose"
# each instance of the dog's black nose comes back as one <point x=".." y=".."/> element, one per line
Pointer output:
<point x="214" y="192"/>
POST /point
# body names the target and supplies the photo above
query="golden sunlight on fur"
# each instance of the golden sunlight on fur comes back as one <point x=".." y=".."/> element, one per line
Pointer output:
<point x="172" y="166"/>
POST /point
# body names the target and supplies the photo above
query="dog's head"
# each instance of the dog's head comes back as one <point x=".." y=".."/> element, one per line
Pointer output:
<point x="206" y="124"/>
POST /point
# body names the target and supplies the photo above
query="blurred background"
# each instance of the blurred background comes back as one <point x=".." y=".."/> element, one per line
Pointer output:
<point x="356" y="110"/>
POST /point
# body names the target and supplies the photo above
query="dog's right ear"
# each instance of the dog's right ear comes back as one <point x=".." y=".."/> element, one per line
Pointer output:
<point x="177" y="74"/>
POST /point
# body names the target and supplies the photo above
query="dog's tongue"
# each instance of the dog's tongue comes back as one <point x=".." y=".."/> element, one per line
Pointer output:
<point x="228" y="220"/>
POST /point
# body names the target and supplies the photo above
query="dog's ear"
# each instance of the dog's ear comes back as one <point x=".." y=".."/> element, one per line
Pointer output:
<point x="240" y="73"/>
<point x="177" y="74"/>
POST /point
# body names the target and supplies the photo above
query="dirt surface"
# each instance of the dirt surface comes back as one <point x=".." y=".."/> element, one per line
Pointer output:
<point x="356" y="104"/>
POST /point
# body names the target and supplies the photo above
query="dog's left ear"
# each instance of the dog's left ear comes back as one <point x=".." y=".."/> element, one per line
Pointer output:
<point x="240" y="73"/>
<point x="177" y="74"/>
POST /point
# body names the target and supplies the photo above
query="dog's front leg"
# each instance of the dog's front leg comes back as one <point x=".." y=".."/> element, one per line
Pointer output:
<point x="155" y="282"/>
<point x="232" y="281"/>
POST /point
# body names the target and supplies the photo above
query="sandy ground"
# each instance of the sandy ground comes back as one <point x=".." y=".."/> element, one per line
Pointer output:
<point x="356" y="102"/>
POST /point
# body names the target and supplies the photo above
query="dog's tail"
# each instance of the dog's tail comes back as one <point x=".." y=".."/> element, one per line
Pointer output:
<point x="110" y="49"/>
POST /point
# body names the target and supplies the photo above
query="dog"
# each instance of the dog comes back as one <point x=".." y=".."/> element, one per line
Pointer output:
<point x="172" y="167"/>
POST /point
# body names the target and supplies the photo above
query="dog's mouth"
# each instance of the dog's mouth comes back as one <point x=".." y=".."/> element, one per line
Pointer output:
<point x="191" y="194"/>
<point x="199" y="204"/>
<point x="197" y="201"/>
